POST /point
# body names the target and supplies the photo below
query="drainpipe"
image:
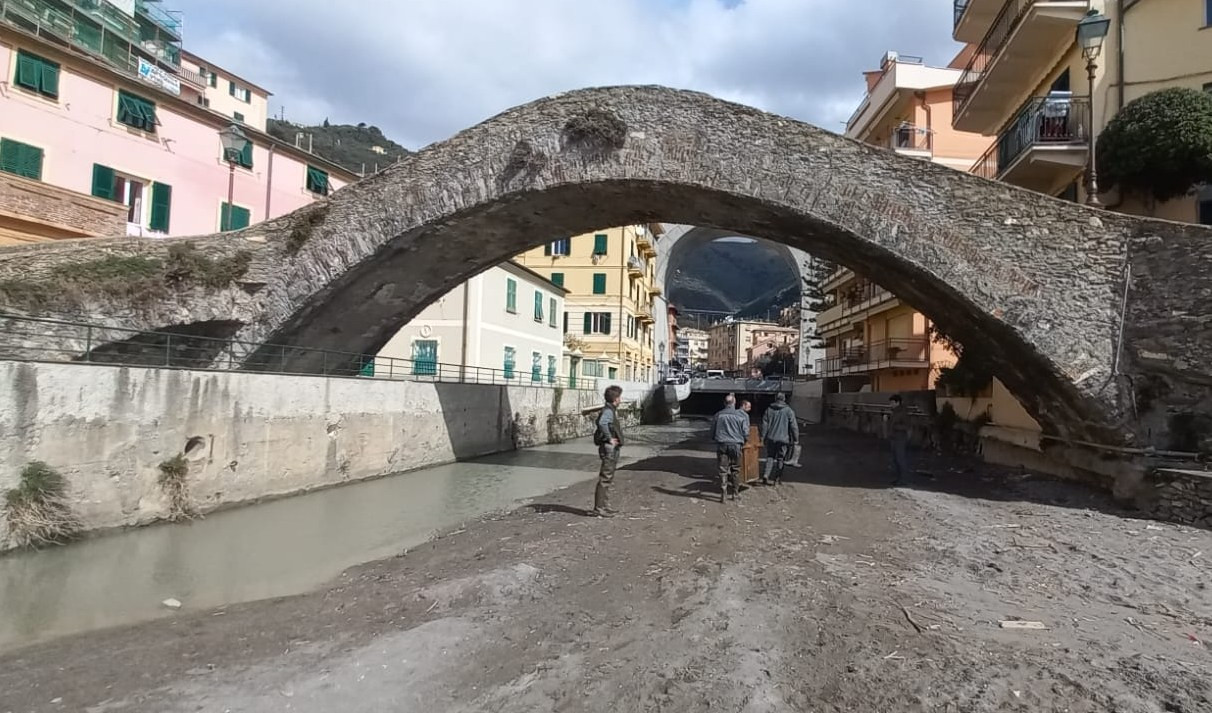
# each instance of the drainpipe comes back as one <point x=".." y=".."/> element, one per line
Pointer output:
<point x="929" y="119"/>
<point x="269" y="181"/>
<point x="1120" y="10"/>
<point x="624" y="283"/>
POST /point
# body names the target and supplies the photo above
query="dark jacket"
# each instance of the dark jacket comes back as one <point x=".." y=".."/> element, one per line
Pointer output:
<point x="608" y="426"/>
<point x="779" y="424"/>
<point x="731" y="427"/>
<point x="898" y="420"/>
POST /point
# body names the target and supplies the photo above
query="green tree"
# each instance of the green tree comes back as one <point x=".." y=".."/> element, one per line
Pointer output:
<point x="814" y="296"/>
<point x="1159" y="145"/>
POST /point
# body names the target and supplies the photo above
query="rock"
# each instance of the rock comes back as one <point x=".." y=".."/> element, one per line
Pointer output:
<point x="171" y="603"/>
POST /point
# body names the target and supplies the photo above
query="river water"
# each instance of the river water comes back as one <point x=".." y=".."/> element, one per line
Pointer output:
<point x="277" y="548"/>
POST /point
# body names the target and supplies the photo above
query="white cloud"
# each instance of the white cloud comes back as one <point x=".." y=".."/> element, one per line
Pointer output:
<point x="423" y="69"/>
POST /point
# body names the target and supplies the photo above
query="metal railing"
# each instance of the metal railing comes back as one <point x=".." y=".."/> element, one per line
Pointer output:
<point x="986" y="165"/>
<point x="913" y="351"/>
<point x="637" y="265"/>
<point x="168" y="20"/>
<point x="1047" y="121"/>
<point x="911" y="138"/>
<point x="49" y="340"/>
<point x="960" y="7"/>
<point x="1007" y="21"/>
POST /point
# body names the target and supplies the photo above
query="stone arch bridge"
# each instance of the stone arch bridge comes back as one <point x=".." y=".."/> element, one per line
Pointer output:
<point x="1099" y="322"/>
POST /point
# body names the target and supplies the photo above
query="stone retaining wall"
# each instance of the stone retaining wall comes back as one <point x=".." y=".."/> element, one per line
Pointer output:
<point x="1180" y="496"/>
<point x="247" y="436"/>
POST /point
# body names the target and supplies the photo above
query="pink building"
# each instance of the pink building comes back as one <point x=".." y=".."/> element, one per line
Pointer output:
<point x="127" y="141"/>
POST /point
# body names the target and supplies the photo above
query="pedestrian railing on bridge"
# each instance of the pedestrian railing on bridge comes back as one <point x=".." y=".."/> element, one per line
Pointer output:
<point x="50" y="340"/>
<point x="772" y="385"/>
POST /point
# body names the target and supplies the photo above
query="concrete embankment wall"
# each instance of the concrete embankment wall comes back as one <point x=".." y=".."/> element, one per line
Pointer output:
<point x="252" y="436"/>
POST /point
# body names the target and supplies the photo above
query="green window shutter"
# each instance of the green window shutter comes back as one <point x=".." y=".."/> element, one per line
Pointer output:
<point x="234" y="217"/>
<point x="551" y="309"/>
<point x="29" y="71"/>
<point x="49" y="85"/>
<point x="425" y="357"/>
<point x="599" y="283"/>
<point x="103" y="182"/>
<point x="588" y="323"/>
<point x="246" y="156"/>
<point x="237" y="116"/>
<point x="20" y="159"/>
<point x="368" y="366"/>
<point x="161" y="206"/>
<point x="599" y="243"/>
<point x="547" y="249"/>
<point x="317" y="181"/>
<point x="511" y="295"/>
<point x="538" y="306"/>
<point x="10" y="156"/>
<point x="136" y="112"/>
<point x="557" y="278"/>
<point x="605" y="323"/>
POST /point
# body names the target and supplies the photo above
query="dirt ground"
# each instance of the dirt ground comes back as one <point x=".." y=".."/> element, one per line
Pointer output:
<point x="832" y="592"/>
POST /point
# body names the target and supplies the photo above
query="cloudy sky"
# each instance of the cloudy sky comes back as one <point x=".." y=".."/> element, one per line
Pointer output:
<point x="424" y="69"/>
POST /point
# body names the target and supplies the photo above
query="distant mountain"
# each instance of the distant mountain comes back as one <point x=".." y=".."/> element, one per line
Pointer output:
<point x="361" y="148"/>
<point x="750" y="279"/>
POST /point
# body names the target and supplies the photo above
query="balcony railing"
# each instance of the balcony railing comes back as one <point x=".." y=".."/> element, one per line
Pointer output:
<point x="636" y="266"/>
<point x="908" y="137"/>
<point x="909" y="352"/>
<point x="1043" y="121"/>
<point x="960" y="7"/>
<point x="1007" y="21"/>
<point x="168" y="20"/>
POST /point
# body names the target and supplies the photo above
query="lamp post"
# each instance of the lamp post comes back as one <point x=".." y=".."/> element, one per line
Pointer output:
<point x="1091" y="32"/>
<point x="235" y="143"/>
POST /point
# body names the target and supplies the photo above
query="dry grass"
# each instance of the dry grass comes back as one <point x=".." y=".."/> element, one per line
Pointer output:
<point x="37" y="510"/>
<point x="174" y="481"/>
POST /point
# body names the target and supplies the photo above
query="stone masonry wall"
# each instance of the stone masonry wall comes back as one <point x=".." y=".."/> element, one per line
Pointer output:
<point x="60" y="208"/>
<point x="249" y="436"/>
<point x="1180" y="496"/>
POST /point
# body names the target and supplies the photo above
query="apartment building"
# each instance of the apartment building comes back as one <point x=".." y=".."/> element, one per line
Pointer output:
<point x="874" y="341"/>
<point x="503" y="325"/>
<point x="153" y="162"/>
<point x="610" y="276"/>
<point x="1026" y="82"/>
<point x="728" y="342"/>
<point x="693" y="347"/>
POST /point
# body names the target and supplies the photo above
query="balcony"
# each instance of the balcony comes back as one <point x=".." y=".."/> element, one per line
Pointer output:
<point x="973" y="18"/>
<point x="911" y="140"/>
<point x="1027" y="38"/>
<point x="636" y="266"/>
<point x="1046" y="145"/>
<point x="644" y="314"/>
<point x="655" y="290"/>
<point x="905" y="353"/>
<point x="195" y="78"/>
<point x="169" y="21"/>
<point x="643" y="241"/>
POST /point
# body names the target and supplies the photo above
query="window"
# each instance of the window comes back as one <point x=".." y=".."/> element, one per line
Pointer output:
<point x="538" y="306"/>
<point x="241" y="93"/>
<point x="565" y="321"/>
<point x="425" y="357"/>
<point x="1207" y="13"/>
<point x="599" y="283"/>
<point x="211" y="78"/>
<point x="536" y="367"/>
<point x="557" y="278"/>
<point x="1205" y="211"/>
<point x="561" y="247"/>
<point x="551" y="312"/>
<point x="136" y="112"/>
<point x="510" y="361"/>
<point x="20" y="159"/>
<point x="37" y="74"/>
<point x="551" y="369"/>
<point x="161" y="207"/>
<point x="597" y="323"/>
<point x="599" y="243"/>
<point x="237" y="116"/>
<point x="613" y="372"/>
<point x="238" y="218"/>
<point x="317" y="181"/>
<point x="511" y="295"/>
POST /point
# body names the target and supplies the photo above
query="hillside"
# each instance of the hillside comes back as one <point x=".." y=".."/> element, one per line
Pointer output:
<point x="353" y="147"/>
<point x="749" y="278"/>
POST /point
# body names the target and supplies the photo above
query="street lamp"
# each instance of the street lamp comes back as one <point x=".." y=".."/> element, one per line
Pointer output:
<point x="1091" y="32"/>
<point x="235" y="143"/>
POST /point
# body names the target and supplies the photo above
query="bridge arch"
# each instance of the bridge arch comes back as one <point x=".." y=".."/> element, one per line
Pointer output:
<point x="1042" y="280"/>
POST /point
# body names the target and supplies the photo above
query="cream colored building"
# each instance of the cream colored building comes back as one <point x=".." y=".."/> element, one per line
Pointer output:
<point x="223" y="92"/>
<point x="692" y="346"/>
<point x="1026" y="83"/>
<point x="728" y="342"/>
<point x="503" y="325"/>
<point x="610" y="276"/>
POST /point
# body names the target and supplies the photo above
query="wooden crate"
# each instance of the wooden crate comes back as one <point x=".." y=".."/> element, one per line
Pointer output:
<point x="751" y="461"/>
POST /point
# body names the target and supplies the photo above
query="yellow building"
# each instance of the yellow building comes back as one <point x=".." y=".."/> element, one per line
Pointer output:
<point x="875" y="342"/>
<point x="1026" y="82"/>
<point x="610" y="276"/>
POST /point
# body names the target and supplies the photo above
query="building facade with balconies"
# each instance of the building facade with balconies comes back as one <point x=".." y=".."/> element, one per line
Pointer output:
<point x="612" y="313"/>
<point x="1026" y="82"/>
<point x="907" y="109"/>
<point x="729" y="342"/>
<point x="873" y="341"/>
<point x="153" y="155"/>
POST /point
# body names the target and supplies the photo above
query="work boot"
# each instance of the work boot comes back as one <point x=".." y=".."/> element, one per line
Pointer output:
<point x="723" y="492"/>
<point x="612" y="511"/>
<point x="603" y="512"/>
<point x="763" y="481"/>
